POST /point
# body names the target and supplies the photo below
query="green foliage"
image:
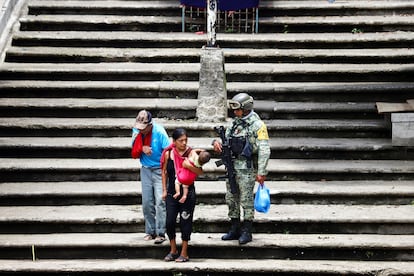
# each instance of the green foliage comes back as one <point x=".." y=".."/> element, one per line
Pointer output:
<point x="369" y="254"/>
<point x="356" y="31"/>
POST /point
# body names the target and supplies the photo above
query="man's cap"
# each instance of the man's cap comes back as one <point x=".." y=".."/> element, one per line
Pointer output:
<point x="144" y="118"/>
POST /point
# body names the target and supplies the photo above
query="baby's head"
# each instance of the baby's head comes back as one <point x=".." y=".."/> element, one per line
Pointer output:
<point x="203" y="157"/>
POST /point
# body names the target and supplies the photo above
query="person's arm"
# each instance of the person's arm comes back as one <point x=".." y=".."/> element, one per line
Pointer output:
<point x="164" y="175"/>
<point x="263" y="153"/>
<point x="198" y="150"/>
<point x="187" y="164"/>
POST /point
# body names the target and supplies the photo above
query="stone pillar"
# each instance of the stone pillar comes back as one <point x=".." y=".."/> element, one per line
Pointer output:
<point x="211" y="22"/>
<point x="402" y="129"/>
<point x="212" y="92"/>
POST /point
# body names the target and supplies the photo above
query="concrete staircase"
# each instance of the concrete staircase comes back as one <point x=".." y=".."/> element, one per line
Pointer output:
<point x="75" y="73"/>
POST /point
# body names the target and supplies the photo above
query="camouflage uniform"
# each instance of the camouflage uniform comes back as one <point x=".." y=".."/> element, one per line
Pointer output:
<point x="249" y="143"/>
<point x="256" y="131"/>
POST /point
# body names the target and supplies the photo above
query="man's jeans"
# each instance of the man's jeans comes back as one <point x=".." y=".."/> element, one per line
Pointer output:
<point x="152" y="204"/>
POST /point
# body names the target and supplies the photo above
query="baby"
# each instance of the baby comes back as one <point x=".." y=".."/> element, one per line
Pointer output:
<point x="185" y="177"/>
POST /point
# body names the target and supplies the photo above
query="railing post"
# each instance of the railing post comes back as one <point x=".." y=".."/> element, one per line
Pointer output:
<point x="183" y="18"/>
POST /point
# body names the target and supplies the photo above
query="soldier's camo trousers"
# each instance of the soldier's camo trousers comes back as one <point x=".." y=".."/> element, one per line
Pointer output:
<point x="245" y="179"/>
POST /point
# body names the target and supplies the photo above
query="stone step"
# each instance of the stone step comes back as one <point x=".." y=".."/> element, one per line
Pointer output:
<point x="326" y="72"/>
<point x="280" y="91"/>
<point x="378" y="192"/>
<point x="89" y="108"/>
<point x="119" y="147"/>
<point x="311" y="8"/>
<point x="165" y="55"/>
<point x="71" y="193"/>
<point x="63" y="22"/>
<point x="178" y="108"/>
<point x="281" y="218"/>
<point x="273" y="24"/>
<point x="324" y="91"/>
<point x="102" y="89"/>
<point x="202" y="266"/>
<point x="353" y="24"/>
<point x="255" y="72"/>
<point x="126" y="39"/>
<point x="107" y="127"/>
<point x="305" y="110"/>
<point x="361" y="247"/>
<point x="100" y="71"/>
<point x="267" y="8"/>
<point x="78" y="169"/>
<point x="153" y="8"/>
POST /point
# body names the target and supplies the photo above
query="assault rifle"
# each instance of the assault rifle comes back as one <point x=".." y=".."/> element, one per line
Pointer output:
<point x="226" y="159"/>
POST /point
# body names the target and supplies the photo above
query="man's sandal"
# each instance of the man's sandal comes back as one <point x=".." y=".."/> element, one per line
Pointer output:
<point x="182" y="259"/>
<point x="148" y="237"/>
<point x="171" y="257"/>
<point x="159" y="239"/>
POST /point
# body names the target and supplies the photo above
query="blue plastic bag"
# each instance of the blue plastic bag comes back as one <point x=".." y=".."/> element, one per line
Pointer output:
<point x="262" y="199"/>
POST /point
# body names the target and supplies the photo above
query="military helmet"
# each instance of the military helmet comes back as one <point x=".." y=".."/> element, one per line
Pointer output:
<point x="241" y="100"/>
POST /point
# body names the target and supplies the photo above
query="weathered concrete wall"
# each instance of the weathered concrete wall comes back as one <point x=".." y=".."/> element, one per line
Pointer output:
<point x="212" y="92"/>
<point x="402" y="129"/>
<point x="7" y="7"/>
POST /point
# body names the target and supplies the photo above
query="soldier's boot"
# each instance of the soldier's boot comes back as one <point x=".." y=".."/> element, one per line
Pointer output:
<point x="234" y="232"/>
<point x="246" y="232"/>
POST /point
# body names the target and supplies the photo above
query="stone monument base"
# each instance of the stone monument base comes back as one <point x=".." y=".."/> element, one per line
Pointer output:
<point x="212" y="91"/>
<point x="402" y="129"/>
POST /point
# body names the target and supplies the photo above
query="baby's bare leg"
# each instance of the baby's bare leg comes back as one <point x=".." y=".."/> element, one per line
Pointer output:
<point x="177" y="189"/>
<point x="185" y="193"/>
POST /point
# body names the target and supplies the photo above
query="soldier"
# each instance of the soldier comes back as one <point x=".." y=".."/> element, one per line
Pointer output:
<point x="249" y="142"/>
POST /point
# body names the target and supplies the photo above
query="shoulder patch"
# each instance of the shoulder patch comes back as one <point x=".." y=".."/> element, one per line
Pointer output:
<point x="262" y="133"/>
